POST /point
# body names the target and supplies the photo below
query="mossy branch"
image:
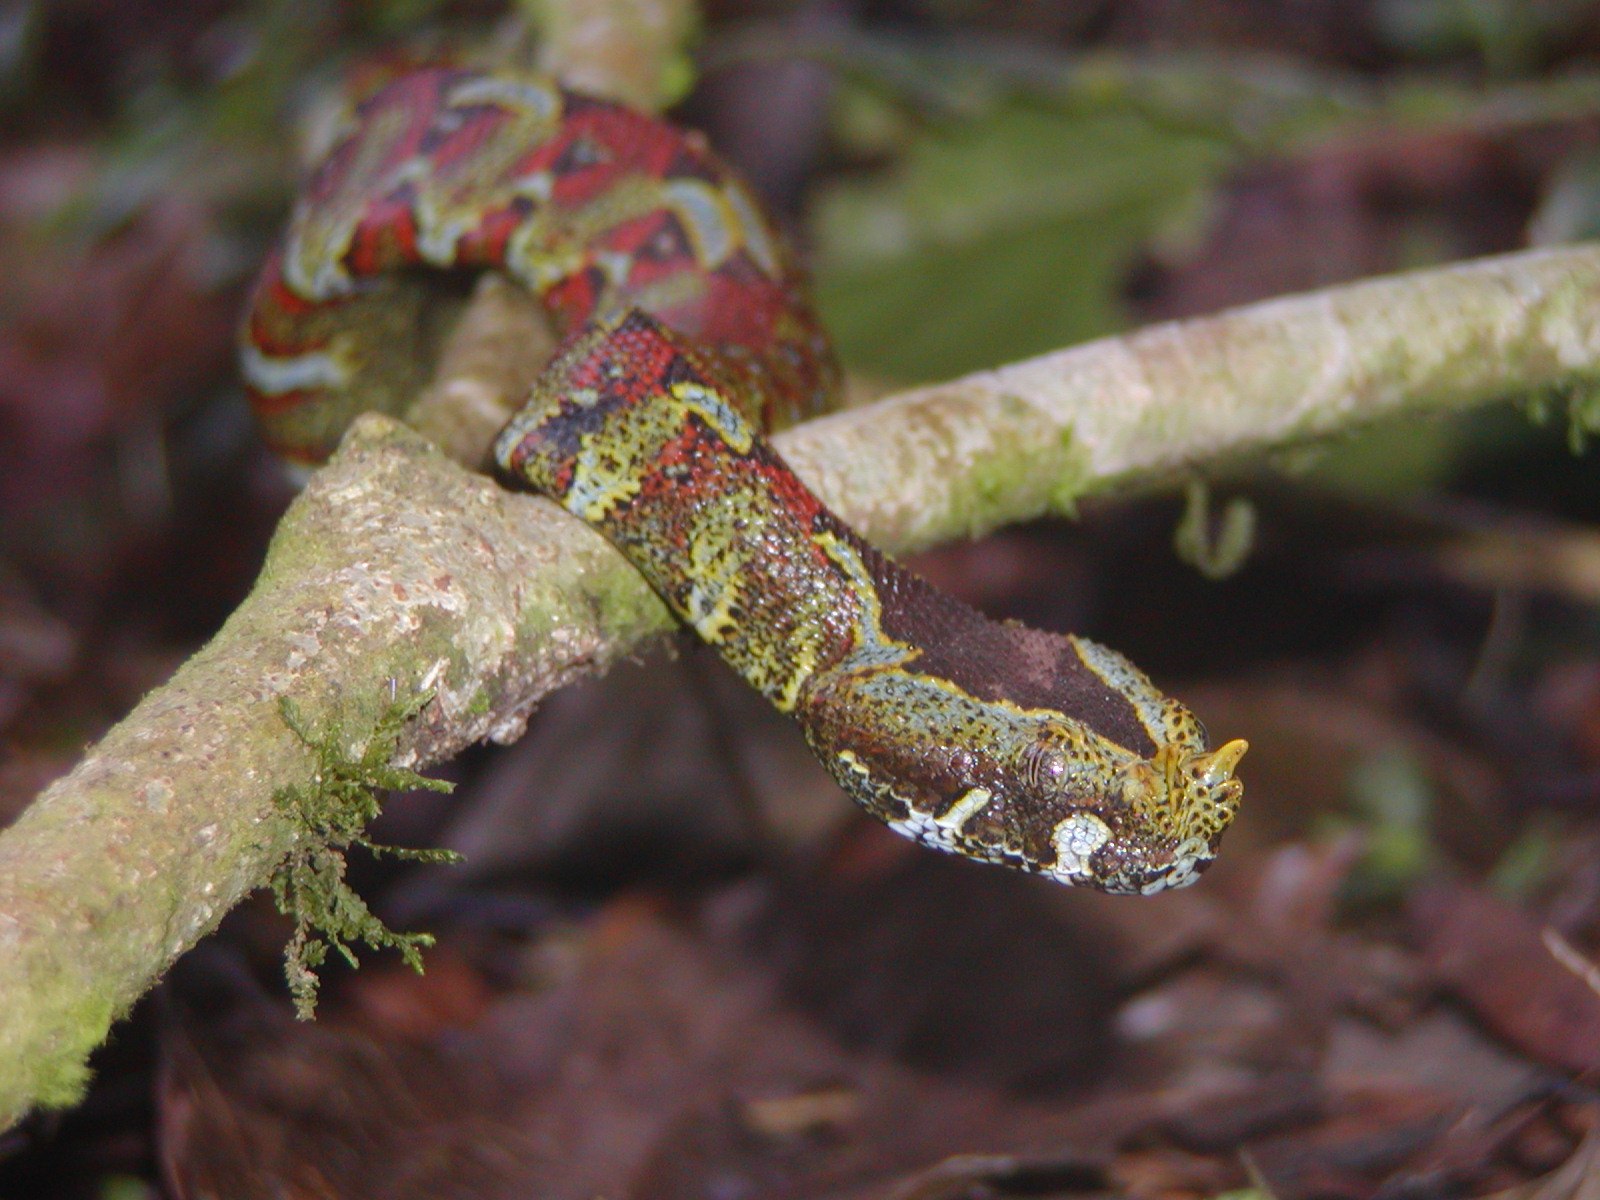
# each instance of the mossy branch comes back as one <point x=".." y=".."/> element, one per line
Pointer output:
<point x="397" y="569"/>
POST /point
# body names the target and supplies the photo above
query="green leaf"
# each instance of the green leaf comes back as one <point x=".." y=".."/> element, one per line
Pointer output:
<point x="1001" y="235"/>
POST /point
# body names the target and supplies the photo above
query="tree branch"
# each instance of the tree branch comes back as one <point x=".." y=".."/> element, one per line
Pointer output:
<point x="397" y="572"/>
<point x="957" y="459"/>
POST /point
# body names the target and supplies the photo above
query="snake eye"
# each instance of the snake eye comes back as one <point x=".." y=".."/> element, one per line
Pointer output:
<point x="1044" y="767"/>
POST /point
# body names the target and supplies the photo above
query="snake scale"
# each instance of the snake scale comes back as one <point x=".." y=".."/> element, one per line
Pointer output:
<point x="685" y="332"/>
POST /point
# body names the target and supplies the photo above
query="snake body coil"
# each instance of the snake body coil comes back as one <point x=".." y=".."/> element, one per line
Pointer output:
<point x="685" y="330"/>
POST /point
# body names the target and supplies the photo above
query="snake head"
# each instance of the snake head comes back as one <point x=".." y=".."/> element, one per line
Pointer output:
<point x="1153" y="823"/>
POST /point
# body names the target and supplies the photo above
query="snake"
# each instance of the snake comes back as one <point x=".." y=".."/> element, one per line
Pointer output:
<point x="686" y="336"/>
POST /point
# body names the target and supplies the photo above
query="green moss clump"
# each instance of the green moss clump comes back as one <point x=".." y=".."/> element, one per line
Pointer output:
<point x="330" y="815"/>
<point x="1579" y="398"/>
<point x="1583" y="414"/>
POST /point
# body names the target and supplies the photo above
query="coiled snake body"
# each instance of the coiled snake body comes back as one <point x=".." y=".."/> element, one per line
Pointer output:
<point x="685" y="330"/>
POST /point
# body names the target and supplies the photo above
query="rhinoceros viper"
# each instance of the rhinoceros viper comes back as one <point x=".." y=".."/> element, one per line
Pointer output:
<point x="686" y="331"/>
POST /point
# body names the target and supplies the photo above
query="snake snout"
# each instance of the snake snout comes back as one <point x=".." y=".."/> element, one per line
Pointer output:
<point x="1178" y="804"/>
<point x="1202" y="791"/>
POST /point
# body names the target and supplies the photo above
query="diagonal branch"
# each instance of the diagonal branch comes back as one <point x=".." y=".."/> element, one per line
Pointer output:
<point x="397" y="571"/>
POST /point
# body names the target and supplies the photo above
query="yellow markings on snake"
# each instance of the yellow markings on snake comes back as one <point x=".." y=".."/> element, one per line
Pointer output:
<point x="705" y="217"/>
<point x="969" y="805"/>
<point x="712" y="407"/>
<point x="275" y="376"/>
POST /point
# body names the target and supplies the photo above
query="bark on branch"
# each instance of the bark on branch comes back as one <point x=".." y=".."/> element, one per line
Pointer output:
<point x="397" y="571"/>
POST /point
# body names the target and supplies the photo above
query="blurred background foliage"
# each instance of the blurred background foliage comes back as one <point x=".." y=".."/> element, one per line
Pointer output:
<point x="985" y="195"/>
<point x="1031" y="185"/>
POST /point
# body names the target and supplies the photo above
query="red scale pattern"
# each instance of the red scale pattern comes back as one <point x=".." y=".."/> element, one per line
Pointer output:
<point x="763" y="326"/>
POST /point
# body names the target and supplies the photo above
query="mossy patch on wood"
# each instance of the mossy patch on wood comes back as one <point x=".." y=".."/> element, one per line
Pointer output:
<point x="330" y="814"/>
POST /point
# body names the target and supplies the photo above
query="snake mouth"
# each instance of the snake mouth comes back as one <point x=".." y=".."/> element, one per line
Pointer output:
<point x="1088" y="853"/>
<point x="1189" y="859"/>
<point x="1145" y="873"/>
